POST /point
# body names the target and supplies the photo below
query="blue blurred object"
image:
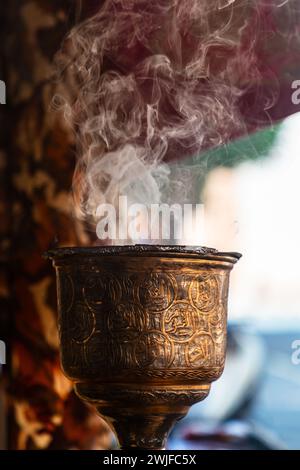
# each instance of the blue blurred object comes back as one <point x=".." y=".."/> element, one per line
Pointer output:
<point x="256" y="403"/>
<point x="231" y="435"/>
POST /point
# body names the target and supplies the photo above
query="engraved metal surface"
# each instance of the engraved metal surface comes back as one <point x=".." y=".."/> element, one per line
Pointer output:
<point x="140" y="330"/>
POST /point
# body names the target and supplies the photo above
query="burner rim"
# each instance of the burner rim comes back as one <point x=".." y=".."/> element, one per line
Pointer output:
<point x="141" y="250"/>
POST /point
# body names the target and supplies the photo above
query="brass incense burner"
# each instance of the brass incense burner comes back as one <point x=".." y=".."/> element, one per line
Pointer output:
<point x="143" y="332"/>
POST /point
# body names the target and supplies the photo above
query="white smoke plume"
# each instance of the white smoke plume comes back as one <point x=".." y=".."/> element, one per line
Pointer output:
<point x="153" y="81"/>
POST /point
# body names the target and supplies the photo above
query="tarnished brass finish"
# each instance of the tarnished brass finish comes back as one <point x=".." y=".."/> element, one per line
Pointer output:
<point x="143" y="332"/>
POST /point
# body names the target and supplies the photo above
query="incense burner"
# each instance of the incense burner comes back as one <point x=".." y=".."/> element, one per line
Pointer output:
<point x="143" y="332"/>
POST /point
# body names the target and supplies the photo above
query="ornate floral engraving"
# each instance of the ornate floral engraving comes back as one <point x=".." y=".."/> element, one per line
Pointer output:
<point x="143" y="337"/>
<point x="95" y="359"/>
<point x="155" y="350"/>
<point x="101" y="287"/>
<point x="156" y="292"/>
<point x="181" y="322"/>
<point x="202" y="374"/>
<point x="139" y="395"/>
<point x="127" y="321"/>
<point x="162" y="325"/>
<point x="204" y="292"/>
<point x="81" y="323"/>
<point x="200" y="351"/>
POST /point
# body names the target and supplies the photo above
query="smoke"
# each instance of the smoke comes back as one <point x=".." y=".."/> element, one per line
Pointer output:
<point x="151" y="82"/>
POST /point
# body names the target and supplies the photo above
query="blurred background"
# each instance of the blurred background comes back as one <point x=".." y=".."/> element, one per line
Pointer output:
<point x="253" y="208"/>
<point x="251" y="192"/>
